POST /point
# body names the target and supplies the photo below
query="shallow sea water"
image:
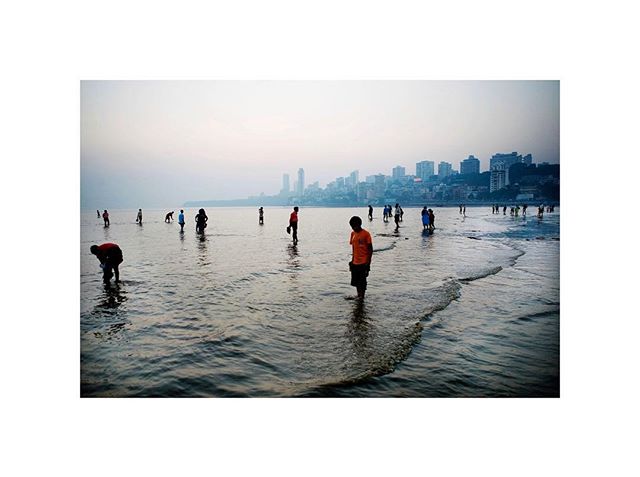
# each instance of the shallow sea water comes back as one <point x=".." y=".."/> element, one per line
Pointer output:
<point x="469" y="310"/>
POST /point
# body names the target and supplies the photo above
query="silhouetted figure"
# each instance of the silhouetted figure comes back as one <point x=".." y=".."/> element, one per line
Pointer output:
<point x="524" y="210"/>
<point x="401" y="214"/>
<point x="460" y="208"/>
<point x="504" y="210"/>
<point x="98" y="212"/>
<point x="139" y="217"/>
<point x="396" y="217"/>
<point x="169" y="217"/>
<point x="110" y="257"/>
<point x="362" y="251"/>
<point x="181" y="220"/>
<point x="540" y="210"/>
<point x="105" y="217"/>
<point x="432" y="219"/>
<point x="261" y="216"/>
<point x="425" y="218"/>
<point x="464" y="210"/>
<point x="201" y="221"/>
<point x="370" y="212"/>
<point x="293" y="224"/>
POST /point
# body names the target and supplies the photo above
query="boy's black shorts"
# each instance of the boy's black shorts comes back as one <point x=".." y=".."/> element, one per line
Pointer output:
<point x="359" y="275"/>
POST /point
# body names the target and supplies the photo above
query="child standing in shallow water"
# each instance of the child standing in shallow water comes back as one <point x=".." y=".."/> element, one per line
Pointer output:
<point x="362" y="248"/>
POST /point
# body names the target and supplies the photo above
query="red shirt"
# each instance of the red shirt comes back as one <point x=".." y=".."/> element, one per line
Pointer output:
<point x="293" y="217"/>
<point x="105" y="247"/>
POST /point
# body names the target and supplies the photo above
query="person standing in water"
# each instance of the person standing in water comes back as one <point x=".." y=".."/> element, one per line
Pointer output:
<point x="105" y="217"/>
<point x="181" y="220"/>
<point x="201" y="221"/>
<point x="432" y="220"/>
<point x="362" y="251"/>
<point x="293" y="223"/>
<point x="98" y="212"/>
<point x="396" y="216"/>
<point x="110" y="257"/>
<point x="261" y="216"/>
<point x="169" y="217"/>
<point x="370" y="212"/>
<point x="425" y="218"/>
<point x="139" y="217"/>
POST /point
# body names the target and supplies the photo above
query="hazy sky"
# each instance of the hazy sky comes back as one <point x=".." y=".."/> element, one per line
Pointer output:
<point x="161" y="143"/>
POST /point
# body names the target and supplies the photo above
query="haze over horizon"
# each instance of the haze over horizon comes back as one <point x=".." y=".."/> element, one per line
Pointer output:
<point x="162" y="143"/>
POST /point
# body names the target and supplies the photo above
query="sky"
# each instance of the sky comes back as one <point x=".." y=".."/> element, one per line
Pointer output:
<point x="162" y="143"/>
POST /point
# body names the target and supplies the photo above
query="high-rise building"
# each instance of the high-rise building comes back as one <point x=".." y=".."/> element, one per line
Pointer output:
<point x="300" y="183"/>
<point x="353" y="178"/>
<point x="470" y="165"/>
<point x="285" y="184"/>
<point x="528" y="159"/>
<point x="499" y="177"/>
<point x="398" y="173"/>
<point x="424" y="169"/>
<point x="444" y="169"/>
<point x="507" y="159"/>
<point x="379" y="185"/>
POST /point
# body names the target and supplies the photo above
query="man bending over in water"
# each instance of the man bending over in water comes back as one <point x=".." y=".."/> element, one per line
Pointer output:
<point x="110" y="257"/>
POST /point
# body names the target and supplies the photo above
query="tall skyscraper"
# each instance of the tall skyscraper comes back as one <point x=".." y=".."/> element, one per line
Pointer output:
<point x="353" y="178"/>
<point x="398" y="172"/>
<point x="424" y="169"/>
<point x="499" y="177"/>
<point x="528" y="159"/>
<point x="470" y="165"/>
<point x="444" y="169"/>
<point x="285" y="184"/>
<point x="300" y="184"/>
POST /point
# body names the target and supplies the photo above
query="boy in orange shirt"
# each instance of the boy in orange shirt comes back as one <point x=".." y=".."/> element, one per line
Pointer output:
<point x="360" y="264"/>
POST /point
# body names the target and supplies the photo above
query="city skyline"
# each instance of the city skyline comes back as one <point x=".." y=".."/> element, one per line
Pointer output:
<point x="156" y="143"/>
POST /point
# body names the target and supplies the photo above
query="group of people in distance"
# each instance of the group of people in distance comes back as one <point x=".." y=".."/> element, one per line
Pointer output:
<point x="514" y="211"/>
<point x="397" y="214"/>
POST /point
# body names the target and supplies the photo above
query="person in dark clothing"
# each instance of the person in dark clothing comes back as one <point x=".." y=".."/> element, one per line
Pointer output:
<point x="396" y="217"/>
<point x="110" y="257"/>
<point x="201" y="221"/>
<point x="370" y="212"/>
<point x="105" y="217"/>
<point x="169" y="217"/>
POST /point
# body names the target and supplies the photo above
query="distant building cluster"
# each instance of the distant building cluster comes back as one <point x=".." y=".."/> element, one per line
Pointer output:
<point x="511" y="176"/>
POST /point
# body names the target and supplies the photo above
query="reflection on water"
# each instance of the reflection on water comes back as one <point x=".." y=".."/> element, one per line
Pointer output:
<point x="294" y="262"/>
<point x="112" y="297"/>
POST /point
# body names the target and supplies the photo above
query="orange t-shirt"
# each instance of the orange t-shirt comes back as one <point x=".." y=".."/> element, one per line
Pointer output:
<point x="360" y="242"/>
